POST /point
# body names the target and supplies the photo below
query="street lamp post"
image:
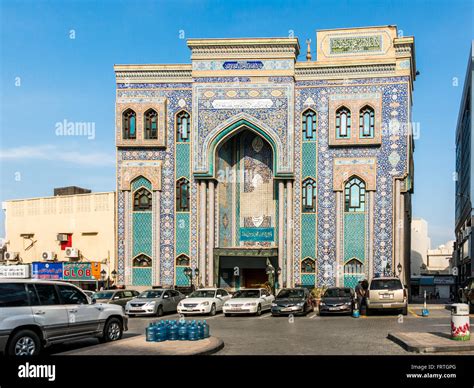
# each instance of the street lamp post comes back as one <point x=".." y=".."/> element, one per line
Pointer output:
<point x="114" y="276"/>
<point x="188" y="271"/>
<point x="399" y="268"/>
<point x="273" y="275"/>
<point x="102" y="276"/>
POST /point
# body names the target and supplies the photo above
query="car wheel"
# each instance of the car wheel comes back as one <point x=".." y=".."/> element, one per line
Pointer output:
<point x="405" y="310"/>
<point x="471" y="308"/>
<point x="213" y="310"/>
<point x="24" y="343"/>
<point x="259" y="311"/>
<point x="159" y="311"/>
<point x="113" y="330"/>
<point x="367" y="311"/>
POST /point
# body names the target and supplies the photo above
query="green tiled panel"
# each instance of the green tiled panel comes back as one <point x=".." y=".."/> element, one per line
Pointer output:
<point x="308" y="164"/>
<point x="142" y="233"/>
<point x="141" y="276"/>
<point x="181" y="278"/>
<point x="308" y="235"/>
<point x="139" y="182"/>
<point x="307" y="279"/>
<point x="354" y="236"/>
<point x="182" y="233"/>
<point x="182" y="159"/>
<point x="352" y="280"/>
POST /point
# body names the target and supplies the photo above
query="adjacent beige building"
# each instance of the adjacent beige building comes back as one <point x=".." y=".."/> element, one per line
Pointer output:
<point x="78" y="227"/>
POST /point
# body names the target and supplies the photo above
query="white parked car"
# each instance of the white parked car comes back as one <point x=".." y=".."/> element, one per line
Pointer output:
<point x="204" y="301"/>
<point x="249" y="301"/>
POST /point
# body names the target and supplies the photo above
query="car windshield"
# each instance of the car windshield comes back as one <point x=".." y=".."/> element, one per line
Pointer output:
<point x="203" y="294"/>
<point x="337" y="293"/>
<point x="150" y="294"/>
<point x="102" y="295"/>
<point x="291" y="294"/>
<point x="386" y="284"/>
<point x="247" y="294"/>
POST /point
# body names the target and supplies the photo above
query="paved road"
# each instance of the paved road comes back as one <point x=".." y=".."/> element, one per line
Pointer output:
<point x="310" y="335"/>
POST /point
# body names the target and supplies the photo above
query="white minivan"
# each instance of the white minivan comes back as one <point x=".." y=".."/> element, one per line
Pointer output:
<point x="38" y="313"/>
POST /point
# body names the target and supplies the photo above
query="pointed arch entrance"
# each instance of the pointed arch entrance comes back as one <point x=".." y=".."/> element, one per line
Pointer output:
<point x="241" y="206"/>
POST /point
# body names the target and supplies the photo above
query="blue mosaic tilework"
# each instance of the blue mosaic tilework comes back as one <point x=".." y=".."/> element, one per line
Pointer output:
<point x="354" y="236"/>
<point x="352" y="280"/>
<point x="182" y="233"/>
<point x="142" y="233"/>
<point x="141" y="276"/>
<point x="181" y="278"/>
<point x="183" y="156"/>
<point x="308" y="235"/>
<point x="308" y="279"/>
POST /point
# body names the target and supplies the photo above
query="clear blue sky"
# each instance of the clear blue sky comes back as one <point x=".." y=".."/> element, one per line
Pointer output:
<point x="46" y="78"/>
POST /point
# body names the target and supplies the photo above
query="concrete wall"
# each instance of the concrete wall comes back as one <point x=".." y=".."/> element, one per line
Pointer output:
<point x="420" y="244"/>
<point x="88" y="217"/>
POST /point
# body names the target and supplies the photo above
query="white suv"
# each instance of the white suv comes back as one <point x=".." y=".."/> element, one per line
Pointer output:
<point x="37" y="313"/>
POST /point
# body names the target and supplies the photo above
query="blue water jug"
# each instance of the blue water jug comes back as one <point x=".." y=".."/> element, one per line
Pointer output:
<point x="160" y="333"/>
<point x="182" y="331"/>
<point x="200" y="330"/>
<point x="150" y="333"/>
<point x="207" y="331"/>
<point x="173" y="331"/>
<point x="192" y="332"/>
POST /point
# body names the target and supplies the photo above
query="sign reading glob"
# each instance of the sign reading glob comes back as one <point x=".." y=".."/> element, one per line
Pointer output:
<point x="81" y="271"/>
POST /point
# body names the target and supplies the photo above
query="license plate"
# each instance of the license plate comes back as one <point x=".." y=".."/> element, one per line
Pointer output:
<point x="234" y="310"/>
<point x="333" y="308"/>
<point x="387" y="296"/>
<point x="287" y="309"/>
<point x="136" y="311"/>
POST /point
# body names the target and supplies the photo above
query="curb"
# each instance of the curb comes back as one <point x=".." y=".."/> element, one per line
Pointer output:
<point x="137" y="346"/>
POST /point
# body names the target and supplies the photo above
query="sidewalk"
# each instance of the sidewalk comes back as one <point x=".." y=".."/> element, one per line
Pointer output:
<point x="430" y="342"/>
<point x="137" y="346"/>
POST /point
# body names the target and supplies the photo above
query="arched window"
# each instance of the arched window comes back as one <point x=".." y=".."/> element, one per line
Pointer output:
<point x="182" y="195"/>
<point x="309" y="125"/>
<point x="142" y="200"/>
<point x="309" y="195"/>
<point x="129" y="124"/>
<point x="182" y="261"/>
<point x="141" y="261"/>
<point x="343" y="123"/>
<point x="151" y="124"/>
<point x="183" y="126"/>
<point x="355" y="195"/>
<point x="353" y="267"/>
<point x="366" y="122"/>
<point x="308" y="265"/>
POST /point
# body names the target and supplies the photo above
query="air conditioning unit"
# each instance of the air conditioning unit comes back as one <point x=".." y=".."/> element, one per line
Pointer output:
<point x="11" y="256"/>
<point x="72" y="253"/>
<point x="48" y="256"/>
<point x="62" y="237"/>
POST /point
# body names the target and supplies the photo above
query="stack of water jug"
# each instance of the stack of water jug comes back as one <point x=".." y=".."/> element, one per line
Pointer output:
<point x="181" y="330"/>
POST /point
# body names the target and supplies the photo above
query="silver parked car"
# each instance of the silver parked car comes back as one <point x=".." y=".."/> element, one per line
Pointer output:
<point x="154" y="302"/>
<point x="37" y="313"/>
<point x="120" y="297"/>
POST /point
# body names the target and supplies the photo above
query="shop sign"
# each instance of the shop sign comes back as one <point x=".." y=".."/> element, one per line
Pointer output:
<point x="77" y="271"/>
<point x="50" y="271"/>
<point x="256" y="234"/>
<point x="21" y="271"/>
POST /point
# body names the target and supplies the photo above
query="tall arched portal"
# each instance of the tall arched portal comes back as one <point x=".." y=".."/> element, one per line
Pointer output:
<point x="246" y="211"/>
